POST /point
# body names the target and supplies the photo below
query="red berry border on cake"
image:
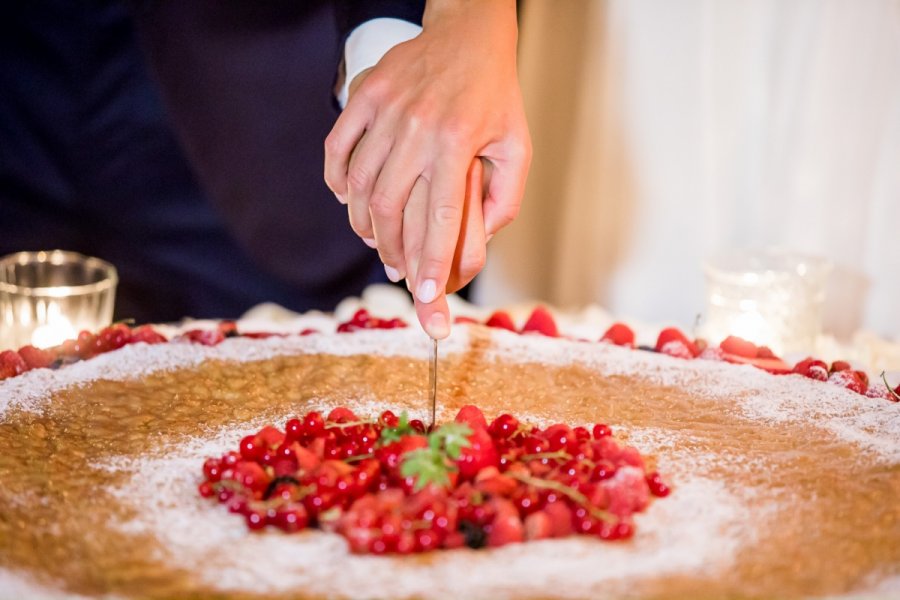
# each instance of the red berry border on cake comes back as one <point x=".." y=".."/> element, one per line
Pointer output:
<point x="671" y="341"/>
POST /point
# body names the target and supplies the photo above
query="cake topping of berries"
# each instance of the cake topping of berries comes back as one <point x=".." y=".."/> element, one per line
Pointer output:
<point x="388" y="487"/>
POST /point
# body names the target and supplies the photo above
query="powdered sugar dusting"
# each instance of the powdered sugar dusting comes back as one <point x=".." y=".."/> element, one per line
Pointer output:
<point x="871" y="424"/>
<point x="204" y="537"/>
<point x="29" y="390"/>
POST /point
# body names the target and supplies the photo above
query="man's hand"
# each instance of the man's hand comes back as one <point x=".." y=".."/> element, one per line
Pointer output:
<point x="426" y="110"/>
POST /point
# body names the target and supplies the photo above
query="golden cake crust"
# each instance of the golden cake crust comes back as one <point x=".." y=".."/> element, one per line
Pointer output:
<point x="770" y="498"/>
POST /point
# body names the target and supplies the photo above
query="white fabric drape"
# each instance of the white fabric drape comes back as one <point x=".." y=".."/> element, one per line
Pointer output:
<point x="667" y="130"/>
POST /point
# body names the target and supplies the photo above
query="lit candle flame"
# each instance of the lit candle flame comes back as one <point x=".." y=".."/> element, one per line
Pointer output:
<point x="53" y="333"/>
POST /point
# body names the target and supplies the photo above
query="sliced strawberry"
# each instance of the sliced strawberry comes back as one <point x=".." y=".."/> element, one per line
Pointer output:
<point x="146" y="334"/>
<point x="306" y="459"/>
<point x="739" y="347"/>
<point x="341" y="415"/>
<point x="480" y="454"/>
<point x="776" y="366"/>
<point x="113" y="337"/>
<point x="541" y="321"/>
<point x="11" y="364"/>
<point x="712" y="354"/>
<point x="765" y="352"/>
<point x="501" y="320"/>
<point x="538" y="526"/>
<point x="251" y="475"/>
<point x="472" y="416"/>
<point x="812" y="368"/>
<point x="840" y="365"/>
<point x="678" y="349"/>
<point x="507" y="527"/>
<point x="465" y="321"/>
<point x="619" y="334"/>
<point x="204" y="337"/>
<point x="560" y="516"/>
<point x="271" y="436"/>
<point x="36" y="358"/>
<point x="673" y="334"/>
<point x="849" y="379"/>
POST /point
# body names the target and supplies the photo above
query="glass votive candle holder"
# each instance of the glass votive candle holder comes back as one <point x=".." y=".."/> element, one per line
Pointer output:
<point x="47" y="297"/>
<point x="771" y="297"/>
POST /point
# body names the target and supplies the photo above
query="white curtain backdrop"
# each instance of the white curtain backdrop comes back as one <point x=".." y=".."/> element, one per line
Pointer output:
<point x="668" y="130"/>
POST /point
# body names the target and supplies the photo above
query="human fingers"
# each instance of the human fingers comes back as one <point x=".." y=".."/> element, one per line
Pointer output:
<point x="348" y="130"/>
<point x="509" y="170"/>
<point x="471" y="246"/>
<point x="415" y="212"/>
<point x="387" y="205"/>
<point x="435" y="316"/>
<point x="446" y="197"/>
<point x="365" y="165"/>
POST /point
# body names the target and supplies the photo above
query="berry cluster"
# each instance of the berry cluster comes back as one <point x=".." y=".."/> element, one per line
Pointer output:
<point x="671" y="341"/>
<point x="85" y="346"/>
<point x="363" y="320"/>
<point x="388" y="486"/>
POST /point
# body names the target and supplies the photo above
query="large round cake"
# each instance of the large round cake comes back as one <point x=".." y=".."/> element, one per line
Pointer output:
<point x="782" y="486"/>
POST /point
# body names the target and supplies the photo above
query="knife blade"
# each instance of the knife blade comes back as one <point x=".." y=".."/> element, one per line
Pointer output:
<point x="432" y="379"/>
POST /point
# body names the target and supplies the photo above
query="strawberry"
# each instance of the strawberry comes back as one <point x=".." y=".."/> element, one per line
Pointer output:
<point x="619" y="334"/>
<point x="560" y="517"/>
<point x="670" y="335"/>
<point x="472" y="416"/>
<point x="113" y="337"/>
<point x="776" y="366"/>
<point x="37" y="358"/>
<point x="739" y="347"/>
<point x="270" y="436"/>
<point x="341" y="415"/>
<point x="712" y="354"/>
<point x="765" y="352"/>
<point x="538" y="526"/>
<point x="677" y="349"/>
<point x="541" y="321"/>
<point x="839" y="365"/>
<point x="146" y="334"/>
<point x="501" y="320"/>
<point x="506" y="528"/>
<point x="251" y="475"/>
<point x="391" y="455"/>
<point x="812" y="368"/>
<point x="464" y="321"/>
<point x="480" y="454"/>
<point x="204" y="337"/>
<point x="849" y="379"/>
<point x="11" y="364"/>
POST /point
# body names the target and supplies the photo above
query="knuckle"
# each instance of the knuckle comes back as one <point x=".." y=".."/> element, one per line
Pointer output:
<point x="446" y="215"/>
<point x="358" y="178"/>
<point x="471" y="264"/>
<point x="383" y="204"/>
<point x="332" y="144"/>
<point x="434" y="267"/>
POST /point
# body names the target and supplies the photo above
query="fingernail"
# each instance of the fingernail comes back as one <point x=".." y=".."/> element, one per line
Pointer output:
<point x="370" y="242"/>
<point x="427" y="291"/>
<point x="340" y="198"/>
<point x="437" y="326"/>
<point x="392" y="273"/>
<point x="408" y="285"/>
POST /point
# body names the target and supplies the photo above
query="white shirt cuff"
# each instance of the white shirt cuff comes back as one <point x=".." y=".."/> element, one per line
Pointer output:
<point x="368" y="43"/>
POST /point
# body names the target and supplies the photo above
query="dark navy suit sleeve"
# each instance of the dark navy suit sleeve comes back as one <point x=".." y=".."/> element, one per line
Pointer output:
<point x="352" y="13"/>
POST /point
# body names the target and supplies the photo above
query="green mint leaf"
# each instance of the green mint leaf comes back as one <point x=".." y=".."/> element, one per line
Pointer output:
<point x="426" y="466"/>
<point x="393" y="434"/>
<point x="453" y="437"/>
